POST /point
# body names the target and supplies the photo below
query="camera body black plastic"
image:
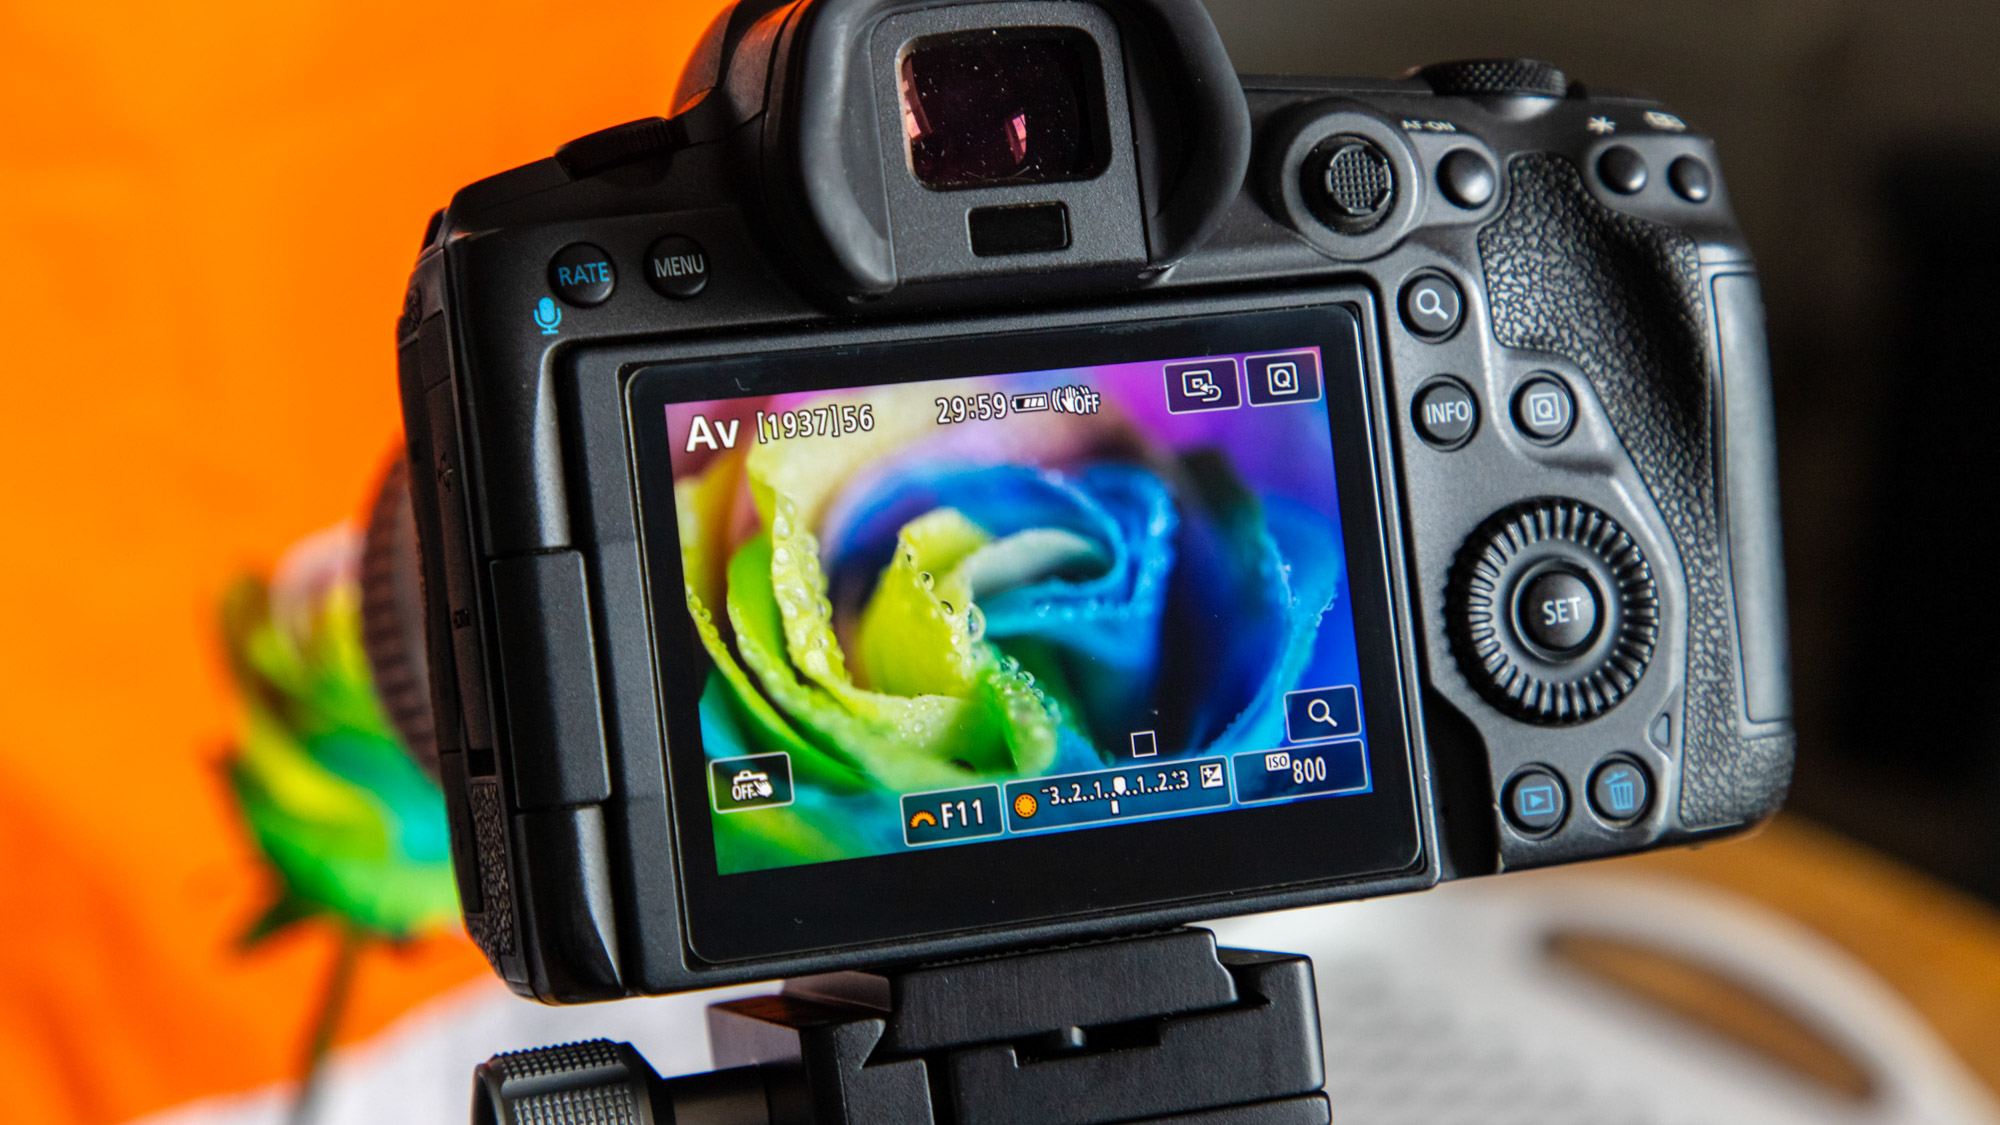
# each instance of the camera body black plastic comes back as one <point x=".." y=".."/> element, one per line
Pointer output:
<point x="1561" y="429"/>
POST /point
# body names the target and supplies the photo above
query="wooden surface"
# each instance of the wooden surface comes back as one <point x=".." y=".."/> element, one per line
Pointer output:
<point x="1937" y="947"/>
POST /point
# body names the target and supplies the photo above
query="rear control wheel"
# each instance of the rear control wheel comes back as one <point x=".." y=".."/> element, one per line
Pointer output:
<point x="1553" y="611"/>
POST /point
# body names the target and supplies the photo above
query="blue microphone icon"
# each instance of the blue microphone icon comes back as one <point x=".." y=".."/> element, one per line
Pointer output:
<point x="548" y="316"/>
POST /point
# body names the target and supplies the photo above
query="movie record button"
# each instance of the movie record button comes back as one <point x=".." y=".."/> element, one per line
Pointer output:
<point x="582" y="275"/>
<point x="1445" y="413"/>
<point x="1535" y="802"/>
<point x="677" y="267"/>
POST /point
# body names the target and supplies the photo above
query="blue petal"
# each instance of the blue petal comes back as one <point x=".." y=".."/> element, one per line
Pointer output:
<point x="1103" y="629"/>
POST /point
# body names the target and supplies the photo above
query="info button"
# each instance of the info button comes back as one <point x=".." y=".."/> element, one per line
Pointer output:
<point x="1445" y="413"/>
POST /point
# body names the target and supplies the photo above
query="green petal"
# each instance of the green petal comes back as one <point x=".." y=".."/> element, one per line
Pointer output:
<point x="917" y="633"/>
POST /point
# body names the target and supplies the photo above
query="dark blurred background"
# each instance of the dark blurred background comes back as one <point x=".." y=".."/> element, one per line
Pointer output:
<point x="1861" y="141"/>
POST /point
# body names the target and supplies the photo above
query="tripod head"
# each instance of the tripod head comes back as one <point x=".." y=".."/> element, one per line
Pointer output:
<point x="1164" y="1028"/>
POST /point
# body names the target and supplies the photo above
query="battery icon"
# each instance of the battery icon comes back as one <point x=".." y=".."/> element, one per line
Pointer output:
<point x="1024" y="404"/>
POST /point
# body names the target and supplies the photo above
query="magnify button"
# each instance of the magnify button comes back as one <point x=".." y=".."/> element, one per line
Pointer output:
<point x="1432" y="306"/>
<point x="1317" y="714"/>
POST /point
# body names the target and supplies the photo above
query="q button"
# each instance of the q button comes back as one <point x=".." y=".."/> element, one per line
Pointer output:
<point x="1432" y="306"/>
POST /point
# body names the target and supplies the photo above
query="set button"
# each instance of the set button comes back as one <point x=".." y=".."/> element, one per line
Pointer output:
<point x="1557" y="611"/>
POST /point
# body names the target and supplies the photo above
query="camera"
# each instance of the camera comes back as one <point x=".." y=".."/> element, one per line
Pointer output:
<point x="983" y="475"/>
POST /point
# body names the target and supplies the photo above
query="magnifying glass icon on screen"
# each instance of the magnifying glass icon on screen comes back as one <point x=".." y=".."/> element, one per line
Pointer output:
<point x="1319" y="712"/>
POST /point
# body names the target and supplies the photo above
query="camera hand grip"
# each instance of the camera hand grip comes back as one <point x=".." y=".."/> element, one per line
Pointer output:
<point x="1621" y="298"/>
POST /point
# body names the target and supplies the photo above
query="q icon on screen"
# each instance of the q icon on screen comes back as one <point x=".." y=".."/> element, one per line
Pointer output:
<point x="548" y="316"/>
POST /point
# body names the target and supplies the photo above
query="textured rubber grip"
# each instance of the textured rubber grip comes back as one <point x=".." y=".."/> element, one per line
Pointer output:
<point x="1621" y="298"/>
<point x="493" y="929"/>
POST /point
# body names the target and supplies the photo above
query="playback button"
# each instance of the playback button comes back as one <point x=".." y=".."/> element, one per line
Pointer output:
<point x="1535" y="802"/>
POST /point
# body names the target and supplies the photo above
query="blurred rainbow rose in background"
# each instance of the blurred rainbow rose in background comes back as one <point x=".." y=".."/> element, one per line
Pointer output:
<point x="927" y="603"/>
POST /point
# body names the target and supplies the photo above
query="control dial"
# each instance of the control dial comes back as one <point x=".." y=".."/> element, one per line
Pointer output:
<point x="1495" y="77"/>
<point x="1553" y="612"/>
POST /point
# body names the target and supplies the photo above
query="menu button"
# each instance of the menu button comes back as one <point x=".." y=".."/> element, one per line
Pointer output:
<point x="677" y="267"/>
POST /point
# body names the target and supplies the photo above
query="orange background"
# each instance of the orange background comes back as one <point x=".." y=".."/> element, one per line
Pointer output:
<point x="207" y="213"/>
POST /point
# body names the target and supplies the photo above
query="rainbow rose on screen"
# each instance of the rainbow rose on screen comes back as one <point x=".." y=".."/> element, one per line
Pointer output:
<point x="919" y="607"/>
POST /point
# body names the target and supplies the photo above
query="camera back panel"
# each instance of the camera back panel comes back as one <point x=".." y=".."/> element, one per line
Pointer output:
<point x="1550" y="433"/>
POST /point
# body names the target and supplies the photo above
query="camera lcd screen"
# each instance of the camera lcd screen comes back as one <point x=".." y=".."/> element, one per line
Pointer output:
<point x="988" y="612"/>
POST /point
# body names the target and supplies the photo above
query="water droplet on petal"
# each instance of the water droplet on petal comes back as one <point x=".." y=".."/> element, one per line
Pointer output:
<point x="945" y="606"/>
<point x="925" y="580"/>
<point x="975" y="622"/>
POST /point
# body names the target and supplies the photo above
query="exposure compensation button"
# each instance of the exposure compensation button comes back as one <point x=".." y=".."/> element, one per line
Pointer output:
<point x="677" y="267"/>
